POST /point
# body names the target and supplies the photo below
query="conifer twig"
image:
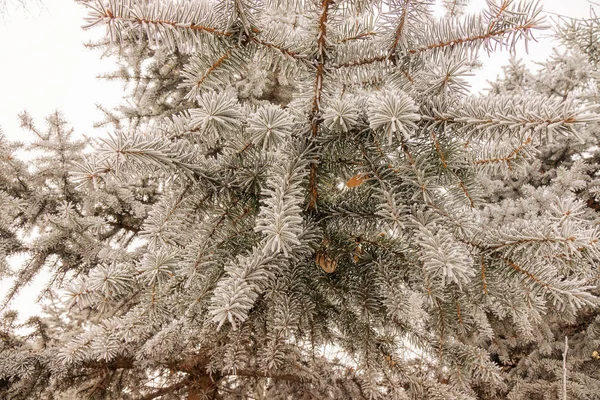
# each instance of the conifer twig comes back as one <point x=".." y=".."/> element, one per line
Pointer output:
<point x="564" y="384"/>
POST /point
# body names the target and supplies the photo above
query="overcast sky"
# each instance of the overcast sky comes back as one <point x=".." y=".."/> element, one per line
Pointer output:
<point x="44" y="66"/>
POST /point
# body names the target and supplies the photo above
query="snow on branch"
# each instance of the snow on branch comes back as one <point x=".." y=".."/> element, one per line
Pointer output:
<point x="482" y="117"/>
<point x="283" y="228"/>
<point x="178" y="24"/>
<point x="138" y="152"/>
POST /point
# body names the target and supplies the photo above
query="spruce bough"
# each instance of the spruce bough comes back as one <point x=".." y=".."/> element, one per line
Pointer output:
<point x="301" y="200"/>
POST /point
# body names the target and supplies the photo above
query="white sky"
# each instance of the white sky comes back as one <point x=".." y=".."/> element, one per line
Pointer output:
<point x="44" y="66"/>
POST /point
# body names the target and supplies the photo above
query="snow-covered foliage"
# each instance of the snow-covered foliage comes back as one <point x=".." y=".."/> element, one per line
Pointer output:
<point x="302" y="200"/>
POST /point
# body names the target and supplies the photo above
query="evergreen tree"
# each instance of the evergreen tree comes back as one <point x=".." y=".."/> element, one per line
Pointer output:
<point x="303" y="201"/>
<point x="564" y="164"/>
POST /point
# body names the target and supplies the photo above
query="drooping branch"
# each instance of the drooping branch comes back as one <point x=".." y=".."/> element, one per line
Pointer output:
<point x="194" y="366"/>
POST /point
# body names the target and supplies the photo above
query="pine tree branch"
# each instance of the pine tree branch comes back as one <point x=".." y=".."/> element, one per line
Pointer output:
<point x="281" y="49"/>
<point x="524" y="28"/>
<point x="360" y="62"/>
<point x="114" y="17"/>
<point x="532" y="241"/>
<point x="480" y="119"/>
<point x="213" y="67"/>
<point x="339" y="212"/>
<point x="523" y="271"/>
<point x="399" y="30"/>
<point x="315" y="118"/>
<point x="358" y="37"/>
<point x="492" y="33"/>
<point x="166" y="390"/>
<point x="501" y="9"/>
<point x="483" y="275"/>
<point x="220" y="220"/>
<point x="461" y="183"/>
<point x="505" y="159"/>
<point x="452" y="8"/>
<point x="194" y="366"/>
<point x="260" y="375"/>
